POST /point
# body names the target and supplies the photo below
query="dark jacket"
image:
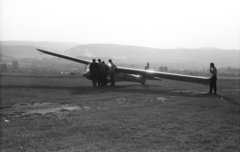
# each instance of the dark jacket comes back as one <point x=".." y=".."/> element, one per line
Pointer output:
<point x="94" y="67"/>
<point x="106" y="69"/>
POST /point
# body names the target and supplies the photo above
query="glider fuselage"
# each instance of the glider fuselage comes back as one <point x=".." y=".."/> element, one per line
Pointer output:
<point x="120" y="77"/>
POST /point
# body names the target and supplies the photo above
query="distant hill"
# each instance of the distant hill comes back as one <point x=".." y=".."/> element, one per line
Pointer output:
<point x="181" y="58"/>
<point x="200" y="57"/>
<point x="19" y="51"/>
<point x="210" y="49"/>
<point x="56" y="46"/>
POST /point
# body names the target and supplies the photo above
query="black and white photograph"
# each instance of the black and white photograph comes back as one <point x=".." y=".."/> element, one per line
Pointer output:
<point x="120" y="75"/>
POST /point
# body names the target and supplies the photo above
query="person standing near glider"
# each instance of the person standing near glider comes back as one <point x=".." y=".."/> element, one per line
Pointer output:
<point x="112" y="68"/>
<point x="213" y="84"/>
<point x="105" y="74"/>
<point x="101" y="72"/>
<point x="94" y="72"/>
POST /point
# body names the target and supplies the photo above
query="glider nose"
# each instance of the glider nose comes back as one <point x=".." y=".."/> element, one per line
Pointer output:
<point x="87" y="75"/>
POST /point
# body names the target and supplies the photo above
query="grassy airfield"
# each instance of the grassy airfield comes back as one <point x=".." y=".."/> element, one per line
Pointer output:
<point x="65" y="113"/>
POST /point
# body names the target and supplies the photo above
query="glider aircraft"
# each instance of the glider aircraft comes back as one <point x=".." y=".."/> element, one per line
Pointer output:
<point x="134" y="75"/>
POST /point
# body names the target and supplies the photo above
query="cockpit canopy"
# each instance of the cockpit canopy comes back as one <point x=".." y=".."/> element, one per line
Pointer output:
<point x="87" y="68"/>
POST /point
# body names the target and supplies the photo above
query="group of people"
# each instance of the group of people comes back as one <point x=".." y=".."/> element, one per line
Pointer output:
<point x="100" y="71"/>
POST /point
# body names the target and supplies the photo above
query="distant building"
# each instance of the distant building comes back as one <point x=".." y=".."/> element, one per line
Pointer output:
<point x="163" y="69"/>
<point x="15" y="65"/>
<point x="4" y="67"/>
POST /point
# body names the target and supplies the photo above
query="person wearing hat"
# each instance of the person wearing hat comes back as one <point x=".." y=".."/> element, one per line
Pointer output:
<point x="112" y="68"/>
<point x="213" y="84"/>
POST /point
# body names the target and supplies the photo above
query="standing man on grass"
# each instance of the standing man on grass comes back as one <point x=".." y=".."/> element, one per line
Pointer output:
<point x="94" y="72"/>
<point x="105" y="74"/>
<point x="213" y="84"/>
<point x="101" y="72"/>
<point x="112" y="68"/>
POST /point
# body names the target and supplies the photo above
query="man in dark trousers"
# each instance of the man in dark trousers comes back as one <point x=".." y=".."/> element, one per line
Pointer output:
<point x="94" y="72"/>
<point x="213" y="84"/>
<point x="101" y="72"/>
<point x="112" y="68"/>
<point x="105" y="74"/>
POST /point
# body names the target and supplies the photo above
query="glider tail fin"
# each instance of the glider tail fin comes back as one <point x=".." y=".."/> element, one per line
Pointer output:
<point x="147" y="66"/>
<point x="143" y="78"/>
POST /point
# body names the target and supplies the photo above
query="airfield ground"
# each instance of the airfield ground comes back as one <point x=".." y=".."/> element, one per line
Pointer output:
<point x="65" y="113"/>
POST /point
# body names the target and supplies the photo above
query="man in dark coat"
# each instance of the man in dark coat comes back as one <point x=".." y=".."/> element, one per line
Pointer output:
<point x="213" y="84"/>
<point x="94" y="72"/>
<point x="106" y="73"/>
<point x="101" y="72"/>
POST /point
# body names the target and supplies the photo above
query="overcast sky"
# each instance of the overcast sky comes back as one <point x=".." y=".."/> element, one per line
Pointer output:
<point x="150" y="23"/>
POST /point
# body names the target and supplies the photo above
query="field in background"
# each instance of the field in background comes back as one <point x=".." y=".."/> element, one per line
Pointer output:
<point x="161" y="116"/>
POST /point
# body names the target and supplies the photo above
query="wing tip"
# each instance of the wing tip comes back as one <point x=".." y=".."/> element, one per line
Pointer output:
<point x="39" y="49"/>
